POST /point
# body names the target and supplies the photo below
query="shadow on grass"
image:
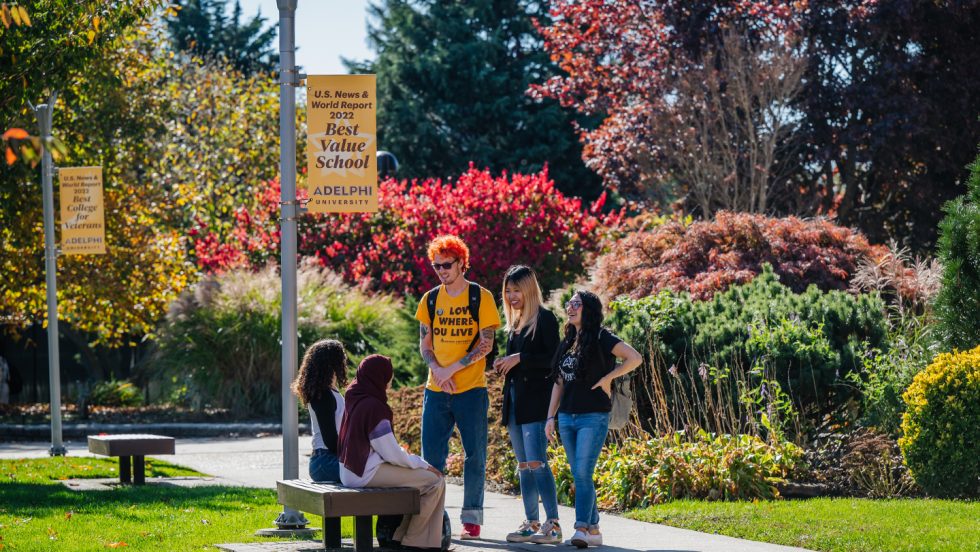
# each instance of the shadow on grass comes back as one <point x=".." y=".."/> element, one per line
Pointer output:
<point x="34" y="499"/>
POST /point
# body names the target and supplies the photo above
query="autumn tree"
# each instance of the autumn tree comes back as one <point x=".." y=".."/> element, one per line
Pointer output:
<point x="730" y="124"/>
<point x="885" y="141"/>
<point x="891" y="116"/>
<point x="452" y="81"/>
<point x="174" y="156"/>
<point x="44" y="44"/>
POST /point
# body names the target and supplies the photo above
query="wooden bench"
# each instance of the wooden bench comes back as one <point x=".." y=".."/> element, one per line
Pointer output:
<point x="334" y="501"/>
<point x="135" y="446"/>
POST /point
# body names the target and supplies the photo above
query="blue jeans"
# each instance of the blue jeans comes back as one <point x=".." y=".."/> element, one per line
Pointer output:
<point x="468" y="412"/>
<point x="324" y="466"/>
<point x="530" y="445"/>
<point x="583" y="435"/>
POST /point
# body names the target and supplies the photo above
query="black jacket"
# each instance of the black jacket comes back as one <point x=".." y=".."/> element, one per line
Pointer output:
<point x="531" y="377"/>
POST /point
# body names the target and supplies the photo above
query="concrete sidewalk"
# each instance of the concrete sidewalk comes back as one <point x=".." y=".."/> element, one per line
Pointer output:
<point x="257" y="462"/>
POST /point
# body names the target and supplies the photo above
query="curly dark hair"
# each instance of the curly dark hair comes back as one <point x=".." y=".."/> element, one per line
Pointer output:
<point x="584" y="344"/>
<point x="324" y="364"/>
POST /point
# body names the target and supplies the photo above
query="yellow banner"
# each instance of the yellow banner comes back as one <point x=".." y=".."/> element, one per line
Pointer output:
<point x="82" y="211"/>
<point x="341" y="148"/>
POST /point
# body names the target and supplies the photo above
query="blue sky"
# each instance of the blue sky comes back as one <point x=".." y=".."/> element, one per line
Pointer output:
<point x="326" y="30"/>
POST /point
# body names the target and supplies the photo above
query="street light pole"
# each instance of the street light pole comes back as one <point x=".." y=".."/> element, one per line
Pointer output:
<point x="43" y="112"/>
<point x="288" y="81"/>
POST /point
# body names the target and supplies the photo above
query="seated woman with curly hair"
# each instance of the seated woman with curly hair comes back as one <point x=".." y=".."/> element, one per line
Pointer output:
<point x="323" y="371"/>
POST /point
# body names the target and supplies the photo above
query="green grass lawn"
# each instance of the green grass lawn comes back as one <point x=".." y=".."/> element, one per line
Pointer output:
<point x="832" y="524"/>
<point x="37" y="512"/>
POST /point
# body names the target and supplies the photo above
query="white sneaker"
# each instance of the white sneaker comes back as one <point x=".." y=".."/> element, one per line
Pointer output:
<point x="580" y="539"/>
<point x="593" y="537"/>
<point x="525" y="532"/>
<point x="550" y="533"/>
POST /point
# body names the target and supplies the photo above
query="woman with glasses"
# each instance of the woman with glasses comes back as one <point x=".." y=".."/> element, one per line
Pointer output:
<point x="532" y="338"/>
<point x="581" y="398"/>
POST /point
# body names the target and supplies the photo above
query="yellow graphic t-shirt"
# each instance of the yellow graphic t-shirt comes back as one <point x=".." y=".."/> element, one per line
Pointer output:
<point x="453" y="331"/>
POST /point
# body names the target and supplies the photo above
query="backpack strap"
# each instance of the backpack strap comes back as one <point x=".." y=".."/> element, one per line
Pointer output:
<point x="475" y="295"/>
<point x="430" y="303"/>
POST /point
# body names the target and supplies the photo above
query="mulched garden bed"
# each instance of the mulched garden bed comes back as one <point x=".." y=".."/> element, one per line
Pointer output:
<point x="39" y="413"/>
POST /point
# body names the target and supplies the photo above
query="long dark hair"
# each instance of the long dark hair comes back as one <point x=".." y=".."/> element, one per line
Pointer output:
<point x="583" y="344"/>
<point x="325" y="362"/>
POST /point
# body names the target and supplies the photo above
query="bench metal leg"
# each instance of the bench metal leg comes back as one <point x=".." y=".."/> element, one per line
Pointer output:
<point x="331" y="532"/>
<point x="139" y="470"/>
<point x="363" y="534"/>
<point x="124" y="469"/>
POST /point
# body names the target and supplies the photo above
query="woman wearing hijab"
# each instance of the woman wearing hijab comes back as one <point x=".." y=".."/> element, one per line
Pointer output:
<point x="370" y="456"/>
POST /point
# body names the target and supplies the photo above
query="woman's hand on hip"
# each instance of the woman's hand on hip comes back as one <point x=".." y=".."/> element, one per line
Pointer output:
<point x="605" y="384"/>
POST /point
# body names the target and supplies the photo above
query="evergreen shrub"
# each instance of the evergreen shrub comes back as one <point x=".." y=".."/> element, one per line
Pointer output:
<point x="941" y="425"/>
<point x="115" y="393"/>
<point x="958" y="302"/>
<point x="809" y="342"/>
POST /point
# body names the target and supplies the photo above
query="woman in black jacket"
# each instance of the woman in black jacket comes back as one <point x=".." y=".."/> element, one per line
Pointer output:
<point x="532" y="338"/>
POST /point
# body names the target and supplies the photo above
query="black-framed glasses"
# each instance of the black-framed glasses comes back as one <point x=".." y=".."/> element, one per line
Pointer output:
<point x="444" y="266"/>
<point x="573" y="305"/>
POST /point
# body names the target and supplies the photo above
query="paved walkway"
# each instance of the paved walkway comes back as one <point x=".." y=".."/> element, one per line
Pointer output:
<point x="257" y="462"/>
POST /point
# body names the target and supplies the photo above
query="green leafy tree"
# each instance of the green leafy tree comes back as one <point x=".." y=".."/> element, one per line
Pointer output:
<point x="452" y="78"/>
<point x="958" y="302"/>
<point x="174" y="154"/>
<point x="44" y="45"/>
<point x="204" y="28"/>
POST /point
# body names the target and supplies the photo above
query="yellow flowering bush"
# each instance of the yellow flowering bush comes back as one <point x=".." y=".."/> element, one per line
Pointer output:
<point x="941" y="425"/>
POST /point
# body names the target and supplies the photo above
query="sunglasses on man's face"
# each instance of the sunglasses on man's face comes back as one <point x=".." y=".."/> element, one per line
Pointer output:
<point x="444" y="266"/>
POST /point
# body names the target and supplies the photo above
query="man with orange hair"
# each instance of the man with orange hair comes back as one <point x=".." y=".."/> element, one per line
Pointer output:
<point x="457" y="321"/>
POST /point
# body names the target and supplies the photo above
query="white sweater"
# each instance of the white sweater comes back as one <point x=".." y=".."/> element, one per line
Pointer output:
<point x="384" y="448"/>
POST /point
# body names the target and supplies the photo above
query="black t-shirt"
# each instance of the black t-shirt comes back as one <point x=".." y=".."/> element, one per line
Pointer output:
<point x="579" y="397"/>
<point x="325" y="408"/>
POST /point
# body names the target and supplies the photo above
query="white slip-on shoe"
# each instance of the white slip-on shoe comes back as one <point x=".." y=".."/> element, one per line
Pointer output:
<point x="593" y="537"/>
<point x="579" y="539"/>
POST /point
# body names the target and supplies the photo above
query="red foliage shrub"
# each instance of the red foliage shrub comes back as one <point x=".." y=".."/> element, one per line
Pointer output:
<point x="504" y="220"/>
<point x="710" y="256"/>
<point x="253" y="240"/>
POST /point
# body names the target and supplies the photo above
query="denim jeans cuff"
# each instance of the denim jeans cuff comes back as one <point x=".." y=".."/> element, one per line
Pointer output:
<point x="472" y="515"/>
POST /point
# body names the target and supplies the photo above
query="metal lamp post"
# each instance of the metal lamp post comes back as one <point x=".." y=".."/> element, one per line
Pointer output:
<point x="289" y="79"/>
<point x="44" y="112"/>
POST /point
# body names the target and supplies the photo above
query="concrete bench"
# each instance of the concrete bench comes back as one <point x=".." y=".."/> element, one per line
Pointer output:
<point x="135" y="446"/>
<point x="335" y="501"/>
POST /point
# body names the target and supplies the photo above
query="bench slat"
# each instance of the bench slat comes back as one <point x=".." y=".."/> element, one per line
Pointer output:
<point x="335" y="501"/>
<point x="130" y="445"/>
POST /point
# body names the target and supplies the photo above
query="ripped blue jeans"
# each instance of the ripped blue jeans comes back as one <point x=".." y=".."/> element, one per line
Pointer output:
<point x="531" y="446"/>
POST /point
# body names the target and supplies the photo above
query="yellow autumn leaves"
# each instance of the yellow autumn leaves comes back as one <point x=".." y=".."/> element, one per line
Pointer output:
<point x="13" y="14"/>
